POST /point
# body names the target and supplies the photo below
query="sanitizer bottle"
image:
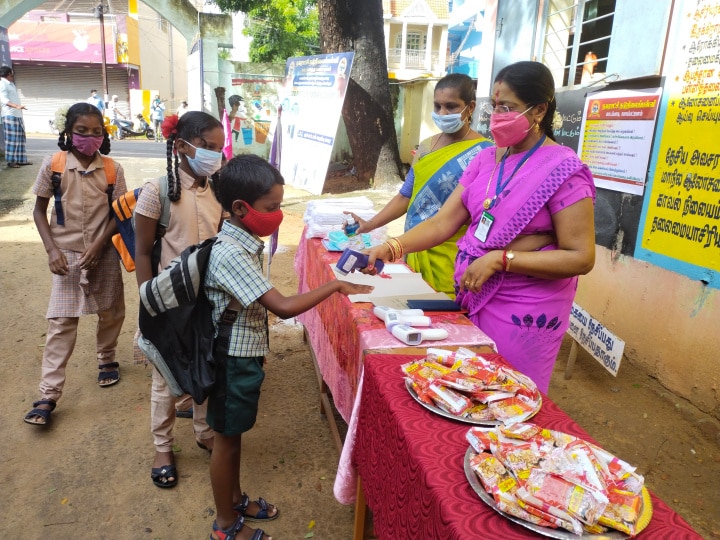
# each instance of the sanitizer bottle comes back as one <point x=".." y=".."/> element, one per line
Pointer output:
<point x="351" y="226"/>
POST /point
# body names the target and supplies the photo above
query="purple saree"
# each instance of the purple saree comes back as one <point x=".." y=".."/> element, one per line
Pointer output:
<point x="526" y="316"/>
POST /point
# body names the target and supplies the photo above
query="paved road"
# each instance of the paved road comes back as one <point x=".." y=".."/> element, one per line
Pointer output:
<point x="137" y="147"/>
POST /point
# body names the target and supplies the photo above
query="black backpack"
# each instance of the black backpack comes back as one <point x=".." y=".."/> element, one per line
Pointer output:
<point x="178" y="334"/>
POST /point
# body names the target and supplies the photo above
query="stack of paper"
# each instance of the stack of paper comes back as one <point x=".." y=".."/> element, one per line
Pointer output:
<point x="401" y="283"/>
<point x="325" y="215"/>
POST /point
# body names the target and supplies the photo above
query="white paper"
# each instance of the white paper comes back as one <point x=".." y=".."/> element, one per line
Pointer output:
<point x="402" y="284"/>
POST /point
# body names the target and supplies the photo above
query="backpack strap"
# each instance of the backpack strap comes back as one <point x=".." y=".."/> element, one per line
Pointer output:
<point x="57" y="166"/>
<point x="110" y="176"/>
<point x="230" y="315"/>
<point x="164" y="203"/>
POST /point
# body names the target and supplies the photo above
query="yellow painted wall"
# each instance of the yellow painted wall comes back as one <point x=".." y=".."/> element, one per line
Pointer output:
<point x="669" y="323"/>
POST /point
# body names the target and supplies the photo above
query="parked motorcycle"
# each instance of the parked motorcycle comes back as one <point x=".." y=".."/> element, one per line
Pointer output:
<point x="143" y="129"/>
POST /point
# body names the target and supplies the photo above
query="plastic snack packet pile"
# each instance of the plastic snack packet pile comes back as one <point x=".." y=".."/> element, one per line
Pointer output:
<point x="472" y="387"/>
<point x="553" y="479"/>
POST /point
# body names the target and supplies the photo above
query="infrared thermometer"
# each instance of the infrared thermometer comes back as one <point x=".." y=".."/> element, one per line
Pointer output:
<point x="409" y="317"/>
<point x="414" y="336"/>
<point x="353" y="260"/>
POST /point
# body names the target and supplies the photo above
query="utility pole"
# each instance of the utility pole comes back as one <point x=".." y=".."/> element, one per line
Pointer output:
<point x="100" y="11"/>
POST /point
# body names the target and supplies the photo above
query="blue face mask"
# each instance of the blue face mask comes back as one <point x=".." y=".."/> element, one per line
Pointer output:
<point x="449" y="123"/>
<point x="206" y="162"/>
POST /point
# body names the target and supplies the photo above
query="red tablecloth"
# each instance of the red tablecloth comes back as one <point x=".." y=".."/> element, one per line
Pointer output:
<point x="411" y="464"/>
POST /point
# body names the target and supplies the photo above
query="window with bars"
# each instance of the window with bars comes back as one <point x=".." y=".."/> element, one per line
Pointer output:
<point x="415" y="41"/>
<point x="576" y="39"/>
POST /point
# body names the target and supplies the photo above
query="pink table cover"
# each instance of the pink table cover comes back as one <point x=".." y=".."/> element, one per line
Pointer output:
<point x="411" y="464"/>
<point x="341" y="331"/>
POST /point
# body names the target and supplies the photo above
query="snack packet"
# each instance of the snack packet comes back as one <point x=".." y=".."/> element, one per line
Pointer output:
<point x="449" y="400"/>
<point x="622" y="511"/>
<point x="564" y="496"/>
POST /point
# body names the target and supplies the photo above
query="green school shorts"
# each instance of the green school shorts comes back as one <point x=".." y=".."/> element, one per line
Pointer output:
<point x="233" y="401"/>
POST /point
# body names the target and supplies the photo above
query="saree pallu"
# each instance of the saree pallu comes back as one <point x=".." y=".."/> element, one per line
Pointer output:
<point x="436" y="177"/>
<point x="526" y="316"/>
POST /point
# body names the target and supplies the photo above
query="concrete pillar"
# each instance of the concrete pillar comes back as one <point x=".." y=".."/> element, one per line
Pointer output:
<point x="403" y="49"/>
<point x="429" y="47"/>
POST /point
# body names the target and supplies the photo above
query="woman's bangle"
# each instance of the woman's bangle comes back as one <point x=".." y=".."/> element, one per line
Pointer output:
<point x="395" y="248"/>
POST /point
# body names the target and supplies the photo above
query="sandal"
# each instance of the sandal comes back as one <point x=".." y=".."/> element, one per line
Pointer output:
<point x="262" y="515"/>
<point x="113" y="377"/>
<point x="202" y="446"/>
<point x="184" y="414"/>
<point x="13" y="165"/>
<point x="161" y="475"/>
<point x="41" y="413"/>
<point x="231" y="532"/>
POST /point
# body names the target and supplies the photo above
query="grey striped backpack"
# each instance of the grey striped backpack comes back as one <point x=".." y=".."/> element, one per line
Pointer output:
<point x="178" y="334"/>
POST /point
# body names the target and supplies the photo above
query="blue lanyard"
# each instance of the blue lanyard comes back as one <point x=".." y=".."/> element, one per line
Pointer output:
<point x="500" y="186"/>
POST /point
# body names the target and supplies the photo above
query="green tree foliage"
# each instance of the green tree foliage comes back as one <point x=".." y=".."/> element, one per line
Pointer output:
<point x="279" y="28"/>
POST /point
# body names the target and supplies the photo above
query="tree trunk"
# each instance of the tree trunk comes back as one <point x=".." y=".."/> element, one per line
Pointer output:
<point x="357" y="25"/>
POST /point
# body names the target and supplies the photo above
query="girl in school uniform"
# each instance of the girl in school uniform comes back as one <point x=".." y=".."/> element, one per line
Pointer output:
<point x="195" y="141"/>
<point x="85" y="268"/>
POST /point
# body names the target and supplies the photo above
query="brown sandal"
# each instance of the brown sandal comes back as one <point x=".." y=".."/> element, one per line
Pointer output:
<point x="13" y="165"/>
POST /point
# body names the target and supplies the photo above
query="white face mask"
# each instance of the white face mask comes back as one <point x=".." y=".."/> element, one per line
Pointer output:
<point x="206" y="162"/>
<point x="449" y="123"/>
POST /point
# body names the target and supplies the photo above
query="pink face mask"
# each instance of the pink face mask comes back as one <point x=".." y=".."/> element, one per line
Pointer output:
<point x="509" y="129"/>
<point x="87" y="145"/>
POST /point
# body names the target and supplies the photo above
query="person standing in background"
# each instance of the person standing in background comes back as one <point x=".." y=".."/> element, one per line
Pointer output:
<point x="96" y="100"/>
<point x="182" y="109"/>
<point x="157" y="115"/>
<point x="113" y="113"/>
<point x="12" y="119"/>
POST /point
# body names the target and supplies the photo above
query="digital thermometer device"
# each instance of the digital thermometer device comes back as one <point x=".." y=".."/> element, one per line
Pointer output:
<point x="409" y="317"/>
<point x="353" y="260"/>
<point x="414" y="336"/>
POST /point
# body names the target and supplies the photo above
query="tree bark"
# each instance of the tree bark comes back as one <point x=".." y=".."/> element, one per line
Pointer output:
<point x="357" y="25"/>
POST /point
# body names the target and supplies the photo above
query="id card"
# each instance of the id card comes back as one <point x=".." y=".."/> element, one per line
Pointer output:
<point x="483" y="228"/>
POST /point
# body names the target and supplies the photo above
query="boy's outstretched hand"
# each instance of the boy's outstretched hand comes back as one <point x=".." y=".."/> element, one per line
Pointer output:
<point x="353" y="288"/>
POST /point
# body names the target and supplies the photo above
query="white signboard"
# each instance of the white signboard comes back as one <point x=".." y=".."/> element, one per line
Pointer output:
<point x="312" y="99"/>
<point x="590" y="333"/>
<point x="617" y="131"/>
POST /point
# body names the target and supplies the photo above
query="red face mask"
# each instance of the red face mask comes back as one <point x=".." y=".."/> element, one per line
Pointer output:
<point x="261" y="223"/>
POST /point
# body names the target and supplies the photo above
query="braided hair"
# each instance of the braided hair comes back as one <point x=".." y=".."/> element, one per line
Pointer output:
<point x="72" y="115"/>
<point x="192" y="124"/>
<point x="533" y="83"/>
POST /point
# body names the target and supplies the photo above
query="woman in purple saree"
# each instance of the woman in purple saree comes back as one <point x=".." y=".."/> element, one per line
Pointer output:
<point x="529" y="203"/>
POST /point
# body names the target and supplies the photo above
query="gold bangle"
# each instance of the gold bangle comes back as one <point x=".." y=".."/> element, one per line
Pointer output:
<point x="391" y="250"/>
<point x="396" y="248"/>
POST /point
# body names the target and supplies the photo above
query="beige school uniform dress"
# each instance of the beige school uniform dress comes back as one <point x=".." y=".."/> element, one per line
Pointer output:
<point x="194" y="218"/>
<point x="81" y="292"/>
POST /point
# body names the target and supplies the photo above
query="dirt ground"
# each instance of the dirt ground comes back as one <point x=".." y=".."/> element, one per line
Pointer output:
<point x="88" y="474"/>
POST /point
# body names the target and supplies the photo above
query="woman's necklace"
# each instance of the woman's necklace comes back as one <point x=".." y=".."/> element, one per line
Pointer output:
<point x="467" y="132"/>
<point x="488" y="203"/>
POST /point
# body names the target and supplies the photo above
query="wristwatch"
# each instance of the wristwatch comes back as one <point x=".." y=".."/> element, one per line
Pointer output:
<point x="509" y="257"/>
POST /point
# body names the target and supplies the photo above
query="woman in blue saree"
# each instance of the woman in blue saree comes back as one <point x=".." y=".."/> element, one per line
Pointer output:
<point x="436" y="169"/>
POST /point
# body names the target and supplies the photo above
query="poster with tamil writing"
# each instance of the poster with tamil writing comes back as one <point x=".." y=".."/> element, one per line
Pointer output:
<point x="312" y="100"/>
<point x="617" y="131"/>
<point x="681" y="214"/>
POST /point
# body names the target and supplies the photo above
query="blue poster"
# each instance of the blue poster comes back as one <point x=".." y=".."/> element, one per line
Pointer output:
<point x="312" y="99"/>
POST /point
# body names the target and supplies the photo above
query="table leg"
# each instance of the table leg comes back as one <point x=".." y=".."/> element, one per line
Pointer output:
<point x="325" y="406"/>
<point x="571" y="360"/>
<point x="360" y="512"/>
